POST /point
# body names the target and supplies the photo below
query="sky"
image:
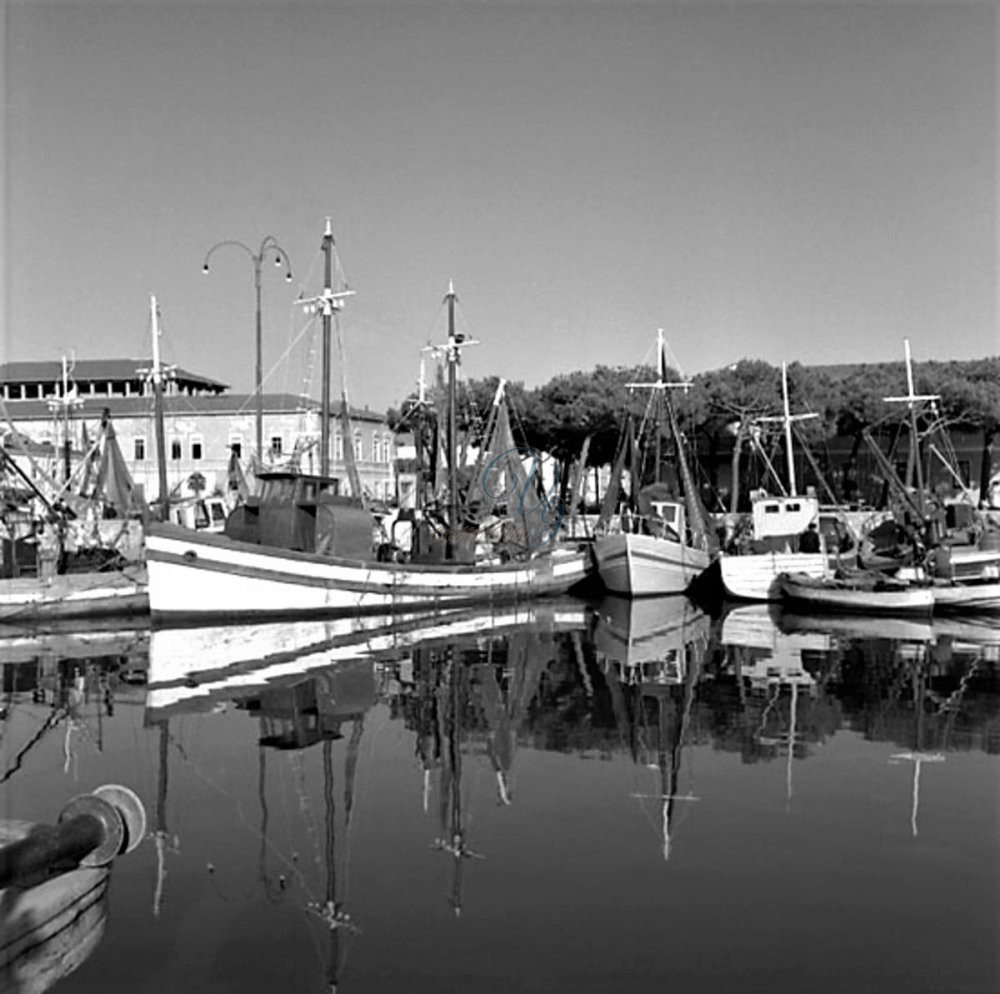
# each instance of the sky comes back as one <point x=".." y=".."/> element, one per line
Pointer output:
<point x="789" y="181"/>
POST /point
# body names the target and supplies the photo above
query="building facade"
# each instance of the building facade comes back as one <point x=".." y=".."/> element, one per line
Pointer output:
<point x="45" y="405"/>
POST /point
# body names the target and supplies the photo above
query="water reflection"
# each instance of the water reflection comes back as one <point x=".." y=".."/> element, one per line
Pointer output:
<point x="291" y="761"/>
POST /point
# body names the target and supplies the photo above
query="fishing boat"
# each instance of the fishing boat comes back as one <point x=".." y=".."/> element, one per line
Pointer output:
<point x="658" y="545"/>
<point x="771" y="547"/>
<point x="974" y="596"/>
<point x="300" y="547"/>
<point x="72" y="547"/>
<point x="863" y="593"/>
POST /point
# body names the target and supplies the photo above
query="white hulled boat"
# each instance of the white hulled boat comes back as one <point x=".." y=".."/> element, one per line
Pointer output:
<point x="661" y="545"/>
<point x="300" y="548"/>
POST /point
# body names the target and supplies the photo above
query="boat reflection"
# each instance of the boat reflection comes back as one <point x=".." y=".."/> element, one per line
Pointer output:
<point x="196" y="668"/>
<point x="651" y="652"/>
<point x="269" y="791"/>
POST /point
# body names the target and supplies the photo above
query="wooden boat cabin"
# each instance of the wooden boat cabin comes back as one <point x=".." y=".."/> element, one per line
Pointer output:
<point x="304" y="513"/>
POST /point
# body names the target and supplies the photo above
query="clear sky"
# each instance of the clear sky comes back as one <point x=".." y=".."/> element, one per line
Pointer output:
<point x="780" y="180"/>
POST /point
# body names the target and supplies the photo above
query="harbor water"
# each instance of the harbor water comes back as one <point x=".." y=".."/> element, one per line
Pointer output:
<point x="558" y="797"/>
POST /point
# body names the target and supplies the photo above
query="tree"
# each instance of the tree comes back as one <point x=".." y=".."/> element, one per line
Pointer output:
<point x="730" y="399"/>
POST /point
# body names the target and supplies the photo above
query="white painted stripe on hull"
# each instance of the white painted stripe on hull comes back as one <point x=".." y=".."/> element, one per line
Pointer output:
<point x="754" y="576"/>
<point x="188" y="577"/>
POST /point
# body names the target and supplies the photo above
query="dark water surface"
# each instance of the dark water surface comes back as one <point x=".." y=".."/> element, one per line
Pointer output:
<point x="556" y="798"/>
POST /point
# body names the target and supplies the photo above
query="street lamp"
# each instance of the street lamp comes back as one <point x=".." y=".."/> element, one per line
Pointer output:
<point x="269" y="246"/>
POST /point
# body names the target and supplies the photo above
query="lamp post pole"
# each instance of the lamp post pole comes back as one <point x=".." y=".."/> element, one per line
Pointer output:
<point x="268" y="246"/>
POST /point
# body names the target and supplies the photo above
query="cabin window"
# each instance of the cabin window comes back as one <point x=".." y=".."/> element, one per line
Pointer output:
<point x="196" y="445"/>
<point x="771" y="509"/>
<point x="175" y="448"/>
<point x="139" y="449"/>
<point x="276" y="445"/>
<point x="793" y="508"/>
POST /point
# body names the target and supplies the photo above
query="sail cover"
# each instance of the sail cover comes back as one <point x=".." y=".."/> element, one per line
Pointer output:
<point x="114" y="484"/>
<point x="528" y="519"/>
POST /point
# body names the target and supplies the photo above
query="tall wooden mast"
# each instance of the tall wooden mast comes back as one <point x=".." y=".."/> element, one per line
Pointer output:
<point x="161" y="445"/>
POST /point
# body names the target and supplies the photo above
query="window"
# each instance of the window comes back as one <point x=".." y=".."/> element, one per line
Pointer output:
<point x="139" y="449"/>
<point x="359" y="448"/>
<point x="338" y="447"/>
<point x="386" y="449"/>
<point x="276" y="445"/>
<point x="196" y="445"/>
<point x="175" y="448"/>
<point x="376" y="448"/>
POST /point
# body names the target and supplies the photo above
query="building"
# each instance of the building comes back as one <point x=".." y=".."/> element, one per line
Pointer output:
<point x="46" y="404"/>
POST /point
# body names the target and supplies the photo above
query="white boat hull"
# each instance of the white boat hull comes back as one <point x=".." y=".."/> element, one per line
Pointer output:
<point x="754" y="575"/>
<point x="643" y="565"/>
<point x="833" y="596"/>
<point x="958" y="597"/>
<point x="193" y="575"/>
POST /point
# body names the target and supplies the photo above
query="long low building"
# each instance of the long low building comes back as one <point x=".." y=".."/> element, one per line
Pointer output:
<point x="203" y="425"/>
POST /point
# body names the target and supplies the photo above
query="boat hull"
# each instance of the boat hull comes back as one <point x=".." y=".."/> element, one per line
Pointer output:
<point x="196" y="576"/>
<point x="643" y="565"/>
<point x="754" y="576"/>
<point x="832" y="595"/>
<point x="73" y="595"/>
<point x="960" y="597"/>
<point x="48" y="930"/>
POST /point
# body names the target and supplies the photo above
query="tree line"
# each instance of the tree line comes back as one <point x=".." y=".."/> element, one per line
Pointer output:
<point x="719" y="413"/>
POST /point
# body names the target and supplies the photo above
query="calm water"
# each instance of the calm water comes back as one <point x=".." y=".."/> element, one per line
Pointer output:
<point x="559" y="798"/>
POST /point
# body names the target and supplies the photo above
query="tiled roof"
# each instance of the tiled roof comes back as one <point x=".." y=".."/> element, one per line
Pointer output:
<point x="204" y="404"/>
<point x="94" y="369"/>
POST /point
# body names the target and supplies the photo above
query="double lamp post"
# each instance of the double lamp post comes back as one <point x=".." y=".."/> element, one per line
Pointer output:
<point x="269" y="248"/>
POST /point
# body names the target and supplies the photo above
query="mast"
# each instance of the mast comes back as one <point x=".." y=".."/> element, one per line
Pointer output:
<point x="789" y="455"/>
<point x="911" y="400"/>
<point x="452" y="352"/>
<point x="328" y="303"/>
<point x="161" y="445"/>
<point x="787" y="419"/>
<point x="65" y="414"/>
<point x="60" y="406"/>
<point x="324" y="430"/>
<point x="453" y="356"/>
